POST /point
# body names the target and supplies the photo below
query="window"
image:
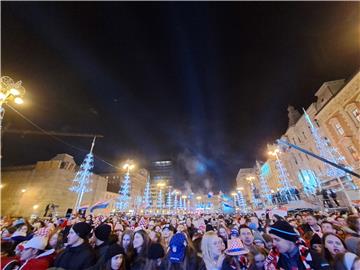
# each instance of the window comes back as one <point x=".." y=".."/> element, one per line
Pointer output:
<point x="339" y="129"/>
<point x="299" y="140"/>
<point x="356" y="114"/>
<point x="304" y="135"/>
<point x="353" y="152"/>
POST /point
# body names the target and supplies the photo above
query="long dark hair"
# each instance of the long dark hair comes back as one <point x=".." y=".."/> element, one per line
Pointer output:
<point x="145" y="246"/>
<point x="108" y="264"/>
<point x="326" y="253"/>
<point x="130" y="250"/>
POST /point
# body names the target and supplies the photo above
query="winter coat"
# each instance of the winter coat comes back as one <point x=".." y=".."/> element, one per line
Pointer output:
<point x="305" y="259"/>
<point x="76" y="258"/>
<point x="40" y="262"/>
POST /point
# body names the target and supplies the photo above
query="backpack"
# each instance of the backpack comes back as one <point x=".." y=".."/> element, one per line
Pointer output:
<point x="177" y="248"/>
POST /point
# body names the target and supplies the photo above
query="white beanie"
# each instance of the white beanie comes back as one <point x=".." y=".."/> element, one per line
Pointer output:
<point x="349" y="259"/>
<point x="37" y="242"/>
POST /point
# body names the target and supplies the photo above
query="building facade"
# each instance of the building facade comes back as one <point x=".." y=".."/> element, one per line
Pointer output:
<point x="27" y="190"/>
<point x="336" y="114"/>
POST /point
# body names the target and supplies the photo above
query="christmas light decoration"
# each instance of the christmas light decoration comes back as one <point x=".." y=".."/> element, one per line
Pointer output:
<point x="265" y="190"/>
<point x="330" y="153"/>
<point x="124" y="192"/>
<point x="168" y="199"/>
<point x="147" y="194"/>
<point x="82" y="181"/>
<point x="241" y="200"/>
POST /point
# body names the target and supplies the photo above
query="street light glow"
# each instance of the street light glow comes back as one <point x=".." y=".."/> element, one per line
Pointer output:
<point x="36" y="206"/>
<point x="240" y="188"/>
<point x="18" y="100"/>
<point x="14" y="92"/>
<point x="198" y="198"/>
<point x="23" y="190"/>
<point x="233" y="193"/>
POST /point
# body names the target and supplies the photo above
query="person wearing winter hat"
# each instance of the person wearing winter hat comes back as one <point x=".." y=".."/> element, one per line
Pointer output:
<point x="114" y="258"/>
<point x="316" y="244"/>
<point x="289" y="252"/>
<point x="236" y="255"/>
<point x="33" y="255"/>
<point x="78" y="253"/>
<point x="180" y="254"/>
<point x="155" y="255"/>
<point x="102" y="233"/>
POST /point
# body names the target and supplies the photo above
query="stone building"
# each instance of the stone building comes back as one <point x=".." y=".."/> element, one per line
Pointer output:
<point x="336" y="114"/>
<point x="27" y="190"/>
<point x="340" y="120"/>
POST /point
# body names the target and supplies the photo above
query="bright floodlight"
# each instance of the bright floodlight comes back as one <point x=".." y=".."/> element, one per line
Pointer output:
<point x="14" y="92"/>
<point x="19" y="100"/>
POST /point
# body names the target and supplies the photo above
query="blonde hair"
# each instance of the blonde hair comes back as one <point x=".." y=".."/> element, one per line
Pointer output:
<point x="206" y="249"/>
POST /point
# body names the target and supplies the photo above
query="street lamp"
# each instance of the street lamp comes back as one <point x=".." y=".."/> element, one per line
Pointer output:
<point x="282" y="173"/>
<point x="9" y="91"/>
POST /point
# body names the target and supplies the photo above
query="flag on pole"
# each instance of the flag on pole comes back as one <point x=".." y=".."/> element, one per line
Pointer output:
<point x="100" y="205"/>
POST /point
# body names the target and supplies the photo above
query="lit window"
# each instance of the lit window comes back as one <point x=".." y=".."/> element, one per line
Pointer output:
<point x="339" y="129"/>
<point x="353" y="152"/>
<point x="356" y="114"/>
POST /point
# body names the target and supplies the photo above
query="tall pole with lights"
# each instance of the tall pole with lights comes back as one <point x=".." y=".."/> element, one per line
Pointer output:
<point x="124" y="192"/>
<point x="283" y="174"/>
<point x="265" y="190"/>
<point x="9" y="91"/>
<point x="82" y="180"/>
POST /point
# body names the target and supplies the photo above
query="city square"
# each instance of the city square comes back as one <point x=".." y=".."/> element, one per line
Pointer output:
<point x="180" y="135"/>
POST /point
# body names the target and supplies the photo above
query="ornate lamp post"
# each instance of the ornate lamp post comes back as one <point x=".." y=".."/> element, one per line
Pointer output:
<point x="9" y="91"/>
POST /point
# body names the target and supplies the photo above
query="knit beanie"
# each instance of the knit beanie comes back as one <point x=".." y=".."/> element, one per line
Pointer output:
<point x="315" y="240"/>
<point x="82" y="229"/>
<point x="156" y="251"/>
<point x="284" y="230"/>
<point x="102" y="232"/>
<point x="113" y="250"/>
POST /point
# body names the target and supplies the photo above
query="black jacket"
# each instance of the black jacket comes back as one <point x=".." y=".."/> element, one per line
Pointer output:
<point x="76" y="258"/>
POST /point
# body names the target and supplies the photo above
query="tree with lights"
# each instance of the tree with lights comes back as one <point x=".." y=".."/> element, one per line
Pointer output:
<point x="147" y="194"/>
<point x="82" y="181"/>
<point x="175" y="200"/>
<point x="241" y="200"/>
<point x="160" y="199"/>
<point x="124" y="192"/>
<point x="330" y="153"/>
<point x="265" y="190"/>
<point x="168" y="200"/>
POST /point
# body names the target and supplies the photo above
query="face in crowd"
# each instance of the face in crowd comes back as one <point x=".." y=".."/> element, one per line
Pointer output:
<point x="327" y="227"/>
<point x="72" y="237"/>
<point x="310" y="220"/>
<point x="138" y="240"/>
<point x="116" y="261"/>
<point x="259" y="260"/>
<point x="334" y="245"/>
<point x="281" y="244"/>
<point x="246" y="236"/>
<point x="126" y="241"/>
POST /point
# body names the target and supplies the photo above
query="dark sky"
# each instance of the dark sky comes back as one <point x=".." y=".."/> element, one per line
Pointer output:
<point x="204" y="84"/>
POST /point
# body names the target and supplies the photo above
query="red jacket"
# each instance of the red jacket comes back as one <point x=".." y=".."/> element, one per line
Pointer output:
<point x="6" y="261"/>
<point x="41" y="262"/>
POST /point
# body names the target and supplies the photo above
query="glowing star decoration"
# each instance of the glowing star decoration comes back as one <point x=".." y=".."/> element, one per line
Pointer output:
<point x="147" y="194"/>
<point x="124" y="193"/>
<point x="265" y="190"/>
<point x="82" y="181"/>
<point x="330" y="153"/>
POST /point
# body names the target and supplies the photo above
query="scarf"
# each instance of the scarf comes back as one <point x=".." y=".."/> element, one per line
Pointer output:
<point x="274" y="256"/>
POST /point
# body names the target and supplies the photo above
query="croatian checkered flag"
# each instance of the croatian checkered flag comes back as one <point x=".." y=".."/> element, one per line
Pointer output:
<point x="143" y="222"/>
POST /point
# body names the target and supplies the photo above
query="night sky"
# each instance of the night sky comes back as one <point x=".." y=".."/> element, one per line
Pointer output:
<point x="204" y="84"/>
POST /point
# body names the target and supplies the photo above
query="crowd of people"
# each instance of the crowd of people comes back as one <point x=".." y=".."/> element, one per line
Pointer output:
<point x="303" y="241"/>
